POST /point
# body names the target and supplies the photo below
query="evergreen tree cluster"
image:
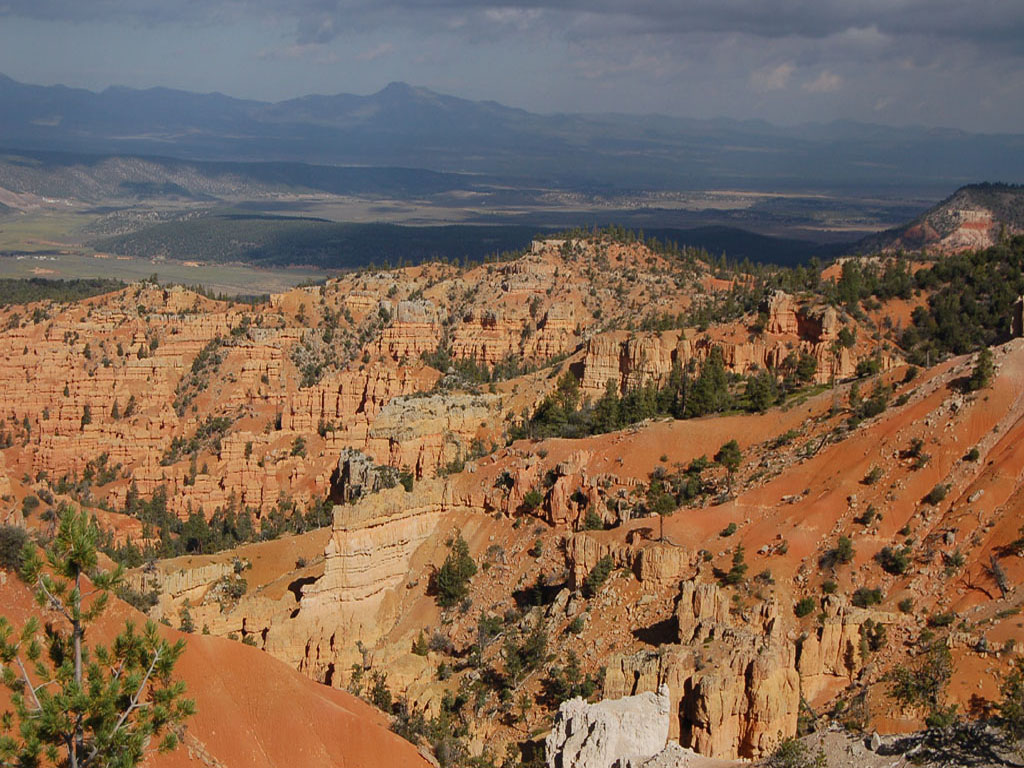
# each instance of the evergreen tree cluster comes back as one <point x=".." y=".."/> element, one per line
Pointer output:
<point x="197" y="534"/>
<point x="971" y="302"/>
<point x="686" y="394"/>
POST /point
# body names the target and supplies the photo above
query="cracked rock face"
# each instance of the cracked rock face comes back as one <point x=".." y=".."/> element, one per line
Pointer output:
<point x="609" y="734"/>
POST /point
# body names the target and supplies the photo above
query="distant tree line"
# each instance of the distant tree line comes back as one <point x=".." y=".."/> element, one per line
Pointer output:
<point x="25" y="291"/>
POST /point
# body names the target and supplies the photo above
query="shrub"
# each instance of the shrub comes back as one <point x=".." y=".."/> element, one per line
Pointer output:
<point x="440" y="643"/>
<point x="936" y="494"/>
<point x="873" y="476"/>
<point x="842" y="554"/>
<point x="140" y="601"/>
<point x="380" y="694"/>
<point x="738" y="570"/>
<point x="597" y="576"/>
<point x="865" y="597"/>
<point x="532" y="500"/>
<point x="12" y="543"/>
<point x="984" y="369"/>
<point x="793" y="753"/>
<point x="869" y="516"/>
<point x="804" y="606"/>
<point x="1011" y="705"/>
<point x="592" y="521"/>
<point x="906" y="605"/>
<point x="844" y="550"/>
<point x="894" y="561"/>
<point x="972" y="455"/>
<point x="729" y="530"/>
<point x="869" y="366"/>
<point x="829" y="587"/>
<point x="233" y="588"/>
<point x="916" y="445"/>
<point x="924" y="684"/>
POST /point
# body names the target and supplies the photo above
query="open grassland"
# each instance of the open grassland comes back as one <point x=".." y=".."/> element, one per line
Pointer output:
<point x="42" y="231"/>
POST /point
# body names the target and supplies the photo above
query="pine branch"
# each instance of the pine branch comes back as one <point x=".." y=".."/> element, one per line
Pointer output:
<point x="28" y="683"/>
<point x="55" y="602"/>
<point x="133" y="705"/>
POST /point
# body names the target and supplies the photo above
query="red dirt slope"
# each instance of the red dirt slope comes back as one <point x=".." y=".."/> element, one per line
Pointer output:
<point x="254" y="711"/>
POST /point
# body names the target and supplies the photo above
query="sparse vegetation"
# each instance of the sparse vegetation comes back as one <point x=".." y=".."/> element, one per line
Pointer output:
<point x="923" y="684"/>
<point x="793" y="753"/>
<point x="598" y="576"/>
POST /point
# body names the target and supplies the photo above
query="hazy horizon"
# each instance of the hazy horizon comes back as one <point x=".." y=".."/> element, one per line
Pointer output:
<point x="929" y="63"/>
<point x="416" y="86"/>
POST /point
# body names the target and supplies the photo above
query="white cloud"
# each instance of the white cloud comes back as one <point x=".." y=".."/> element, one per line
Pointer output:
<point x="772" y="78"/>
<point x="826" y="82"/>
<point x="519" y="18"/>
<point x="377" y="52"/>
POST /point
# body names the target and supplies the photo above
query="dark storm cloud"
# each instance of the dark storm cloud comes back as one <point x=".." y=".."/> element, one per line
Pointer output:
<point x="981" y="22"/>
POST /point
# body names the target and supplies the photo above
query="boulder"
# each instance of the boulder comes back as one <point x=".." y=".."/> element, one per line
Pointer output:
<point x="613" y="733"/>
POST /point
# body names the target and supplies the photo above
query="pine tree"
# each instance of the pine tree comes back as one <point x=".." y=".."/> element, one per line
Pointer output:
<point x="74" y="705"/>
<point x="606" y="409"/>
<point x="452" y="578"/>
<point x="730" y="456"/>
<point x="710" y="392"/>
<point x="984" y="370"/>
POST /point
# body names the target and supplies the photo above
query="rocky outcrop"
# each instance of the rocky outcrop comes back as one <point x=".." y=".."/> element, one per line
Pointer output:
<point x="350" y="399"/>
<point x="176" y="582"/>
<point x="614" y="733"/>
<point x="416" y="328"/>
<point x="632" y="360"/>
<point x="740" y="705"/>
<point x="368" y="560"/>
<point x="736" y="678"/>
<point x="655" y="564"/>
<point x="357" y="475"/>
<point x="423" y="433"/>
<point x="830" y="656"/>
<point x="782" y="314"/>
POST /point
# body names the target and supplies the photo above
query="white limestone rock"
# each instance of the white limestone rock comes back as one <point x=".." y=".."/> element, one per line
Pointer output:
<point x="615" y="733"/>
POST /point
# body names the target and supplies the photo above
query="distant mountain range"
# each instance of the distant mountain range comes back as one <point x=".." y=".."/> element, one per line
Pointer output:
<point x="975" y="216"/>
<point x="415" y="128"/>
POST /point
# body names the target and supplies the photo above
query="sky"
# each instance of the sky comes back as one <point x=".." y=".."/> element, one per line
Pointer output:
<point x="922" y="62"/>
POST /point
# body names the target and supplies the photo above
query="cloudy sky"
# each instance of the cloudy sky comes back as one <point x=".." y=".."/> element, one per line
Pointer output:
<point x="955" y="63"/>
